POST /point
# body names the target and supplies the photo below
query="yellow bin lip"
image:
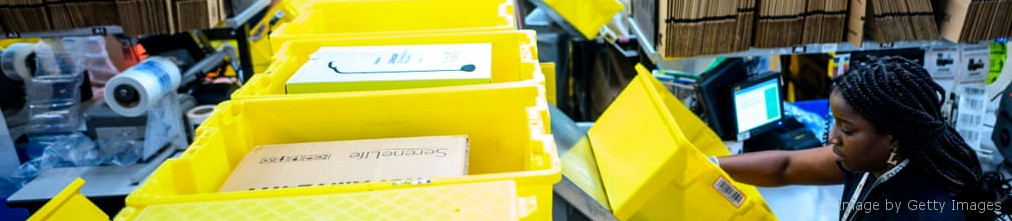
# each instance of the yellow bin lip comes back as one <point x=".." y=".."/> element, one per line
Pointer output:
<point x="506" y="16"/>
<point x="528" y="59"/>
<point x="234" y="206"/>
<point x="59" y="201"/>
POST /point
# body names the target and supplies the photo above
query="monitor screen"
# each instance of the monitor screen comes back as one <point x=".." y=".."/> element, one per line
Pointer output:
<point x="757" y="104"/>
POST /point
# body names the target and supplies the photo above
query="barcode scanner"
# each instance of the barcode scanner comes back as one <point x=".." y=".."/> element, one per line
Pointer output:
<point x="464" y="68"/>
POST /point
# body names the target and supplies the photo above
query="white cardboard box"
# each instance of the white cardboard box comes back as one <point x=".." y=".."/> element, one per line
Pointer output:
<point x="359" y="68"/>
<point x="346" y="162"/>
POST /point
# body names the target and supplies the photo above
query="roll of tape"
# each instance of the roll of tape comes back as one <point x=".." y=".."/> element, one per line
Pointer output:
<point x="13" y="61"/>
<point x="136" y="89"/>
<point x="198" y="114"/>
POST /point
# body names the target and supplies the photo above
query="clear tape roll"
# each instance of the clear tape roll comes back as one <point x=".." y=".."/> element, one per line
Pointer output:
<point x="13" y="61"/>
<point x="198" y="114"/>
<point x="151" y="80"/>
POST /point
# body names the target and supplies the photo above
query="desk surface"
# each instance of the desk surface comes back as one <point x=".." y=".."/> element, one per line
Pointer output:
<point x="100" y="182"/>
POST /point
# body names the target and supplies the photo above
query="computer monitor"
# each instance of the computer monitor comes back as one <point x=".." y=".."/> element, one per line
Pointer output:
<point x="714" y="96"/>
<point x="758" y="106"/>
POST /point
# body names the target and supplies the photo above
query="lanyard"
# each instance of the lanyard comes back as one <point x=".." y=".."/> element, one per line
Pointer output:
<point x="860" y="186"/>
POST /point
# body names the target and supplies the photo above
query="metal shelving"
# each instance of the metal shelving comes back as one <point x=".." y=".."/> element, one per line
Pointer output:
<point x="97" y="30"/>
<point x="825" y="48"/>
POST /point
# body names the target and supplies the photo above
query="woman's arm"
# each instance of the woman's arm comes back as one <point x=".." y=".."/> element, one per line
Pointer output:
<point x="779" y="168"/>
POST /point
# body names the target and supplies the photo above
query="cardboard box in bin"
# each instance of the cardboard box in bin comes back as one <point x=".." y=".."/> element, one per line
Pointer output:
<point x="345" y="162"/>
<point x="363" y="68"/>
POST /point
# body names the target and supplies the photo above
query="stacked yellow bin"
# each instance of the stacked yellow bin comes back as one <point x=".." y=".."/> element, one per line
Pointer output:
<point x="338" y="19"/>
<point x="513" y="162"/>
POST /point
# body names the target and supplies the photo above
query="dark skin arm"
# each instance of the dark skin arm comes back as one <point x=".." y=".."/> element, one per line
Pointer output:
<point x="816" y="166"/>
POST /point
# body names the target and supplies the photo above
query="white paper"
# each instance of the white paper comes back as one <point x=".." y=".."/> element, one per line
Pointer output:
<point x="972" y="107"/>
<point x="942" y="62"/>
<point x="975" y="63"/>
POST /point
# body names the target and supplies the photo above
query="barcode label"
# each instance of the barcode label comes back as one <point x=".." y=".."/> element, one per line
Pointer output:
<point x="975" y="104"/>
<point x="829" y="48"/>
<point x="970" y="136"/>
<point x="730" y="193"/>
<point x="973" y="91"/>
<point x="970" y="120"/>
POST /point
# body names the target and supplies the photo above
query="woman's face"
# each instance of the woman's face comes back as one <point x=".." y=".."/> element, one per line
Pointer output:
<point x="855" y="140"/>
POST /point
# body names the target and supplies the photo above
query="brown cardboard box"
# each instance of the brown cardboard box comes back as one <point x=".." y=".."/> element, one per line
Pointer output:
<point x="970" y="21"/>
<point x="344" y="162"/>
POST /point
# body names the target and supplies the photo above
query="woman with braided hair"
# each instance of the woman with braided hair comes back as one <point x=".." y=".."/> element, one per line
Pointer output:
<point x="889" y="145"/>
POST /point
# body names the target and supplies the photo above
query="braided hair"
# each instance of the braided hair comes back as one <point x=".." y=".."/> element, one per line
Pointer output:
<point x="899" y="98"/>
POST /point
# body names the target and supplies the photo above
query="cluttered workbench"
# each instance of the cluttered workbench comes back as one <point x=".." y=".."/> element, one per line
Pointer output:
<point x="114" y="177"/>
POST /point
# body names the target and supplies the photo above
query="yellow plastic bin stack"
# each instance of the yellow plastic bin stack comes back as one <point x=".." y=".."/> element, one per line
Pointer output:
<point x="336" y="19"/>
<point x="503" y="122"/>
<point x="513" y="161"/>
<point x="651" y="152"/>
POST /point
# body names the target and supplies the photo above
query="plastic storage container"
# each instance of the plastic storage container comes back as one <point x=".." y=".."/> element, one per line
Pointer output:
<point x="506" y="125"/>
<point x="514" y="57"/>
<point x="651" y="152"/>
<point x="472" y="201"/>
<point x="331" y="19"/>
<point x="69" y="204"/>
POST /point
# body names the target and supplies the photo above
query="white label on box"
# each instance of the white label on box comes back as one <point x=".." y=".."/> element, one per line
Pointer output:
<point x="975" y="63"/>
<point x="279" y="166"/>
<point x="942" y="62"/>
<point x="729" y="192"/>
<point x="400" y="62"/>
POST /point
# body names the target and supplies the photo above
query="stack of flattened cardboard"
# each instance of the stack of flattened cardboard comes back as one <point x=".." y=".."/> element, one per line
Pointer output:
<point x="922" y="16"/>
<point x="692" y="27"/>
<point x="824" y="20"/>
<point x="137" y="17"/>
<point x="73" y="14"/>
<point x="197" y="14"/>
<point x="140" y="17"/>
<point x="721" y="19"/>
<point x="681" y="27"/>
<point x="780" y="23"/>
<point x="746" y="24"/>
<point x="24" y="15"/>
<point x="976" y="20"/>
<point x="907" y="20"/>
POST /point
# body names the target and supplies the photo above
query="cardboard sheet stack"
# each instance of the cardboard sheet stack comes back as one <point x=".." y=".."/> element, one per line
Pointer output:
<point x="824" y="20"/>
<point x="198" y="14"/>
<point x="746" y="24"/>
<point x="903" y="20"/>
<point x="137" y="17"/>
<point x="168" y="16"/>
<point x="24" y="15"/>
<point x="781" y="23"/>
<point x="145" y="16"/>
<point x="721" y="20"/>
<point x="692" y="27"/>
<point x="72" y="14"/>
<point x="976" y="20"/>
